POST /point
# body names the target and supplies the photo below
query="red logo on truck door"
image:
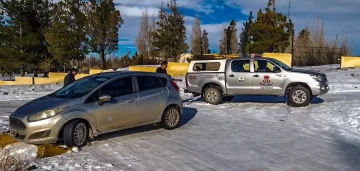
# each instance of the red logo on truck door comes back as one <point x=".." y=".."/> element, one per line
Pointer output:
<point x="266" y="81"/>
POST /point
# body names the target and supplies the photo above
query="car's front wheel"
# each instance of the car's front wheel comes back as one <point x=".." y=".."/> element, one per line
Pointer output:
<point x="76" y="134"/>
<point x="299" y="96"/>
<point x="171" y="118"/>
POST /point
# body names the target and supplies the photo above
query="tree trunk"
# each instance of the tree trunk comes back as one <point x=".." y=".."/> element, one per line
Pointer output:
<point x="102" y="58"/>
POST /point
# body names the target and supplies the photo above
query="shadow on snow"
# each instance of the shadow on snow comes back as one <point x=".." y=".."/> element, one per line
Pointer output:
<point x="187" y="116"/>
<point x="258" y="99"/>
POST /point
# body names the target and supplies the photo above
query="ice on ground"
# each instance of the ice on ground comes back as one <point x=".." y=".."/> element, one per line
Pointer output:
<point x="72" y="161"/>
<point x="250" y="133"/>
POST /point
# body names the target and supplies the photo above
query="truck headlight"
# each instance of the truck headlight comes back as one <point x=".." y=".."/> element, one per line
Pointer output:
<point x="44" y="115"/>
<point x="318" y="78"/>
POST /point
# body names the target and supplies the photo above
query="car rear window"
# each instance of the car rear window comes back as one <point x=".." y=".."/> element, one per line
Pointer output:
<point x="148" y="82"/>
<point x="206" y="66"/>
<point x="164" y="81"/>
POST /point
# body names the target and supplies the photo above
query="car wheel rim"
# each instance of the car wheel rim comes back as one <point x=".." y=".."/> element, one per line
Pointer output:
<point x="299" y="96"/>
<point x="80" y="134"/>
<point x="212" y="96"/>
<point x="172" y="117"/>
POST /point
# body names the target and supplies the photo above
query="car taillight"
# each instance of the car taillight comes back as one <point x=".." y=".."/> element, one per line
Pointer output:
<point x="173" y="83"/>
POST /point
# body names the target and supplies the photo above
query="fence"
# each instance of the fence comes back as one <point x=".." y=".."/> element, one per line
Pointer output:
<point x="313" y="56"/>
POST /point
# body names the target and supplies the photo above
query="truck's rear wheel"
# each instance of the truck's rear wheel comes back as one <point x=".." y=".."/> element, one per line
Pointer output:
<point x="299" y="96"/>
<point x="213" y="96"/>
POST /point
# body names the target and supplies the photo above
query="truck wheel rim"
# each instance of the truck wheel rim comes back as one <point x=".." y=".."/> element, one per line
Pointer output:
<point x="80" y="134"/>
<point x="299" y="96"/>
<point x="212" y="96"/>
<point x="172" y="117"/>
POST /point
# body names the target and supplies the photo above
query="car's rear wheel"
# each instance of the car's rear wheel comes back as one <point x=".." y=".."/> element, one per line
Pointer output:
<point x="76" y="134"/>
<point x="171" y="118"/>
<point x="213" y="96"/>
<point x="299" y="96"/>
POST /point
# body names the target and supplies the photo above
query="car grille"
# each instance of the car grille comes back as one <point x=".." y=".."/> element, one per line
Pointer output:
<point x="17" y="124"/>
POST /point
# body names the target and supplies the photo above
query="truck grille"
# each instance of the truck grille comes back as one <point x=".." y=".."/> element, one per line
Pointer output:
<point x="17" y="124"/>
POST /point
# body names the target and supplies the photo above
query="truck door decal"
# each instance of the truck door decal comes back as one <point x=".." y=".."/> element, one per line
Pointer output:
<point x="266" y="83"/>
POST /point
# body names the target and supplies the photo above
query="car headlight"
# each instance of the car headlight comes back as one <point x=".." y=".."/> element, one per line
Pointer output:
<point x="318" y="78"/>
<point x="44" y="114"/>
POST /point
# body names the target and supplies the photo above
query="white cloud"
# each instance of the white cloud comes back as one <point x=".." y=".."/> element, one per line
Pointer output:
<point x="135" y="11"/>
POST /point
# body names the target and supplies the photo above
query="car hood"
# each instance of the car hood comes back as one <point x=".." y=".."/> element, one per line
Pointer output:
<point x="41" y="104"/>
<point x="307" y="71"/>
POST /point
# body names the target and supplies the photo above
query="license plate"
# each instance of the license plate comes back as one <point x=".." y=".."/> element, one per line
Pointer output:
<point x="13" y="132"/>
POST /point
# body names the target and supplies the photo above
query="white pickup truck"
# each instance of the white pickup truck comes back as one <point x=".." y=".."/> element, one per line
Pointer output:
<point x="222" y="80"/>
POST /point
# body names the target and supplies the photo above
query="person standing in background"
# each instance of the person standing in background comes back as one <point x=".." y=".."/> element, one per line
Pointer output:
<point x="162" y="68"/>
<point x="70" y="78"/>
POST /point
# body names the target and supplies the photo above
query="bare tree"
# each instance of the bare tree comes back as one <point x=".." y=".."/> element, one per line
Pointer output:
<point x="152" y="28"/>
<point x="196" y="38"/>
<point x="143" y="39"/>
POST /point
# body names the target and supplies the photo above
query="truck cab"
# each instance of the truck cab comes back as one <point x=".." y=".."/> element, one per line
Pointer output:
<point x="253" y="76"/>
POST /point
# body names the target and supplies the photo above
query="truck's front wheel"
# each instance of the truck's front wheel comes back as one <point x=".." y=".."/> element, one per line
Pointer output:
<point x="299" y="96"/>
<point x="213" y="96"/>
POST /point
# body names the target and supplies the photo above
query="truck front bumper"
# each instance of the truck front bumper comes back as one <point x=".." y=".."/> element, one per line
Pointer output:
<point x="320" y="89"/>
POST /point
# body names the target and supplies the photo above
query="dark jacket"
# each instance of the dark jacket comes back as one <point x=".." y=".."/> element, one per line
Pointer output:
<point x="160" y="70"/>
<point x="69" y="78"/>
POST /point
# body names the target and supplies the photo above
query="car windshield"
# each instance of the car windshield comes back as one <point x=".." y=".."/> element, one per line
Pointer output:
<point x="80" y="88"/>
<point x="281" y="64"/>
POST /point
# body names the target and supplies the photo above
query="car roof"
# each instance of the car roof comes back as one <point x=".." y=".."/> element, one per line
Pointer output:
<point x="124" y="73"/>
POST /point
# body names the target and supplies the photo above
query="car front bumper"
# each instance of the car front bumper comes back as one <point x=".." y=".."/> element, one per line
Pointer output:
<point x="39" y="132"/>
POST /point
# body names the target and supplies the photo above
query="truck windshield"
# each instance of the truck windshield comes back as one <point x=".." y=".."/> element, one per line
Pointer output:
<point x="281" y="64"/>
<point x="80" y="88"/>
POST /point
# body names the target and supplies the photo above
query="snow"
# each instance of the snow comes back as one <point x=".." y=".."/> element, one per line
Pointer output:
<point x="250" y="133"/>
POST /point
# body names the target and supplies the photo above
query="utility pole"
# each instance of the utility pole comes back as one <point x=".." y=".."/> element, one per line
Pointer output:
<point x="292" y="37"/>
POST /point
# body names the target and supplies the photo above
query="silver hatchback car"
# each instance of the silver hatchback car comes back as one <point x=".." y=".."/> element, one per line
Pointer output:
<point x="98" y="104"/>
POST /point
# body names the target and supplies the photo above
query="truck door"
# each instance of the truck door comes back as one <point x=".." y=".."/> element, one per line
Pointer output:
<point x="239" y="77"/>
<point x="267" y="78"/>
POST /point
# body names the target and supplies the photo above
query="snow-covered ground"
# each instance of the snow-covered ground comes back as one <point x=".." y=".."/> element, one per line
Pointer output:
<point x="250" y="133"/>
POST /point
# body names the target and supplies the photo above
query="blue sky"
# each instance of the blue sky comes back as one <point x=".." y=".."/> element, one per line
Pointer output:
<point x="339" y="17"/>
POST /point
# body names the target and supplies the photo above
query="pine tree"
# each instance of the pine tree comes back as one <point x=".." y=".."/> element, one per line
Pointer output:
<point x="26" y="25"/>
<point x="270" y="32"/>
<point x="223" y="46"/>
<point x="232" y="43"/>
<point x="196" y="41"/>
<point x="205" y="42"/>
<point x="245" y="36"/>
<point x="143" y="39"/>
<point x="67" y="35"/>
<point x="170" y="35"/>
<point x="104" y="21"/>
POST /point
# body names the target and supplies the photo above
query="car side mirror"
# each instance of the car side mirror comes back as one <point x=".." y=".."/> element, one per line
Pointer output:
<point x="104" y="98"/>
<point x="277" y="69"/>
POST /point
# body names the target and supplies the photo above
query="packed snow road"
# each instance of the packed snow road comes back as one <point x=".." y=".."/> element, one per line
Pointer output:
<point x="248" y="134"/>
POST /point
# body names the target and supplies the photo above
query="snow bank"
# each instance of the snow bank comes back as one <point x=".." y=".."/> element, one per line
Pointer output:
<point x="26" y="92"/>
<point x="17" y="156"/>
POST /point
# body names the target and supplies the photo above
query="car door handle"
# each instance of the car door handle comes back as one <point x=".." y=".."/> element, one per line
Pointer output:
<point x="163" y="92"/>
<point x="130" y="101"/>
<point x="255" y="75"/>
<point x="231" y="75"/>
